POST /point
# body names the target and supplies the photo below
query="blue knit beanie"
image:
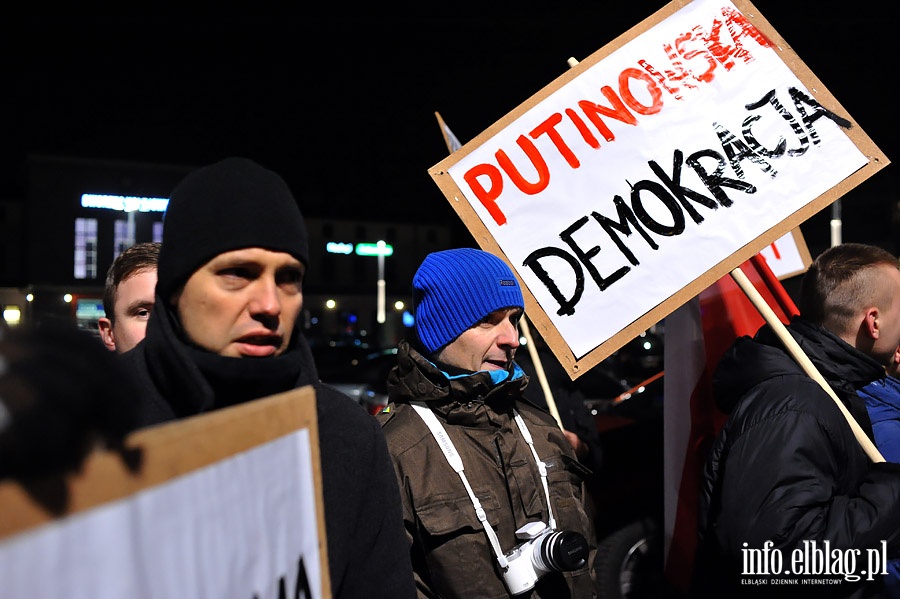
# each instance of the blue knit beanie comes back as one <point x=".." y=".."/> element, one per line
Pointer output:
<point x="454" y="289"/>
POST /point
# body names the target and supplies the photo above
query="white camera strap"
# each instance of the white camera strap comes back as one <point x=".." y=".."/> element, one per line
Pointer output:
<point x="542" y="467"/>
<point x="455" y="461"/>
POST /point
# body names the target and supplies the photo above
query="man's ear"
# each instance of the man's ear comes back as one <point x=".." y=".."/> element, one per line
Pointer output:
<point x="106" y="333"/>
<point x="872" y="325"/>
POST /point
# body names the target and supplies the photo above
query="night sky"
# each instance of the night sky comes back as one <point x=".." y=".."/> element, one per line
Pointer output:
<point x="342" y="103"/>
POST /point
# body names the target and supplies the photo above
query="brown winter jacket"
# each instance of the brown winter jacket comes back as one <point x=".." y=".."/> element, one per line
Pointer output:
<point x="451" y="553"/>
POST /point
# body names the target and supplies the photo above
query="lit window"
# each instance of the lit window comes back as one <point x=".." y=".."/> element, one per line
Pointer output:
<point x="85" y="248"/>
<point x="120" y="237"/>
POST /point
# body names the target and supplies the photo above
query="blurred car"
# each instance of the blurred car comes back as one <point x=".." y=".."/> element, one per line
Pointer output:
<point x="360" y="373"/>
<point x="624" y="396"/>
<point x="628" y="492"/>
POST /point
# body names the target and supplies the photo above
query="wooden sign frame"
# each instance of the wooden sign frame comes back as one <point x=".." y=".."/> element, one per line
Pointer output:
<point x="576" y="365"/>
<point x="169" y="451"/>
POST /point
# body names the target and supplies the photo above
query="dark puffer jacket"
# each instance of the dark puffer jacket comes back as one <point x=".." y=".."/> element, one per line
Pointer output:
<point x="451" y="553"/>
<point x="787" y="468"/>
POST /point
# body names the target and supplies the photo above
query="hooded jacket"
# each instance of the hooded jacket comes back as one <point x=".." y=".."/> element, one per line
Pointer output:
<point x="362" y="515"/>
<point x="787" y="469"/>
<point x="451" y="553"/>
<point x="882" y="399"/>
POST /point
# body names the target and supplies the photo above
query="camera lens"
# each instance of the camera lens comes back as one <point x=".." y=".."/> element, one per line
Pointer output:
<point x="564" y="550"/>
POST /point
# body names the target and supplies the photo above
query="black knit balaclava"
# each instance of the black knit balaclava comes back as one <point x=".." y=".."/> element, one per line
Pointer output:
<point x="230" y="205"/>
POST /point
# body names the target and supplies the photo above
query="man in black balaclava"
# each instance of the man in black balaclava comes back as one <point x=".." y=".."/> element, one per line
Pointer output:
<point x="224" y="331"/>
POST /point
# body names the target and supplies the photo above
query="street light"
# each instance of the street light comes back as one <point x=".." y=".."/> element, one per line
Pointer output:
<point x="380" y="311"/>
<point x="380" y="249"/>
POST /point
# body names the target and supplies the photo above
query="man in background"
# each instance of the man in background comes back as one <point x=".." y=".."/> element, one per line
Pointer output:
<point x="128" y="297"/>
<point x="225" y="330"/>
<point x="787" y="473"/>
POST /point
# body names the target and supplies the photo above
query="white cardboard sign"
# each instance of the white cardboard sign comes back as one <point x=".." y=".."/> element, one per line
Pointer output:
<point x="788" y="256"/>
<point x="224" y="505"/>
<point x="182" y="538"/>
<point x="667" y="159"/>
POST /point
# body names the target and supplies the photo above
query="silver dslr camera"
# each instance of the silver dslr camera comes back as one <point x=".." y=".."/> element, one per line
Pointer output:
<point x="544" y="550"/>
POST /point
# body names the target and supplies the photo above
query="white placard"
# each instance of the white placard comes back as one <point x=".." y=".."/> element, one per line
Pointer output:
<point x="785" y="257"/>
<point x="651" y="167"/>
<point x="211" y="534"/>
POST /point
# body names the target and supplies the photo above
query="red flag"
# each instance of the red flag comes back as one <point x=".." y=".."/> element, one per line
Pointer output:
<point x="697" y="334"/>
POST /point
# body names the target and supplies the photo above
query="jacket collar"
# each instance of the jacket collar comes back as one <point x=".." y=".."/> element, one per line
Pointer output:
<point x="417" y="378"/>
<point x="192" y="380"/>
<point x="750" y="361"/>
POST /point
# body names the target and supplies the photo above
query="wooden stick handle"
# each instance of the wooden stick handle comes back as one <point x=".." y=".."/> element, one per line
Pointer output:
<point x="794" y="349"/>
<point x="539" y="370"/>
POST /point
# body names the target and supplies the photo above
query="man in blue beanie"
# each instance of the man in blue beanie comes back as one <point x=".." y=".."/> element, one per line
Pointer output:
<point x="492" y="491"/>
<point x="225" y="330"/>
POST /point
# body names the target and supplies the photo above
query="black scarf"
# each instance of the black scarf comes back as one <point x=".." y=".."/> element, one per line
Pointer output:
<point x="192" y="380"/>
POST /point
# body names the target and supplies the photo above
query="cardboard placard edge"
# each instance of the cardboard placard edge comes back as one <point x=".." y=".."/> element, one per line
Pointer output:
<point x="577" y="366"/>
<point x="173" y="449"/>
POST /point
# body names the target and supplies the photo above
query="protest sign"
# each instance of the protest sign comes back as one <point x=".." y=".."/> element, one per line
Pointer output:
<point x="651" y="169"/>
<point x="788" y="255"/>
<point x="226" y="505"/>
